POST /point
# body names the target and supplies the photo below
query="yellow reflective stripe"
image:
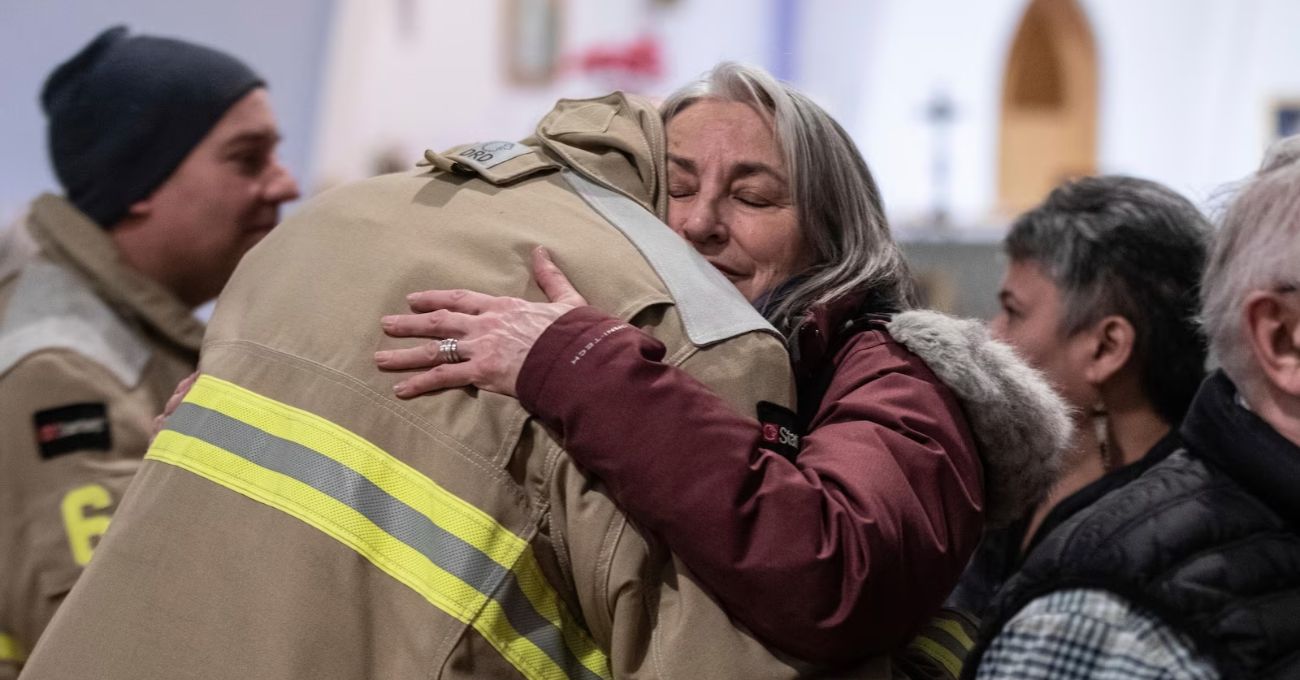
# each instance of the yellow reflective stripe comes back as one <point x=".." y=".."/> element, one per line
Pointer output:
<point x="351" y="528"/>
<point x="401" y="481"/>
<point x="528" y="573"/>
<point x="322" y="511"/>
<point x="955" y="630"/>
<point x="10" y="650"/>
<point x="939" y="653"/>
<point x="388" y="473"/>
<point x="347" y="524"/>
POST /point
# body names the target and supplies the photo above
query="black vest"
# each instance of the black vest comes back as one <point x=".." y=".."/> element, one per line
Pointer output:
<point x="1206" y="540"/>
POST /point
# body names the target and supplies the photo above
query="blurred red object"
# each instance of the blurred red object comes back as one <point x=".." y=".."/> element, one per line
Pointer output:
<point x="639" y="60"/>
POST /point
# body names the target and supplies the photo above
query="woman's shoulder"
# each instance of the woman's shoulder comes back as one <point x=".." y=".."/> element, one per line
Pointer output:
<point x="1022" y="427"/>
<point x="934" y="347"/>
<point x="870" y="351"/>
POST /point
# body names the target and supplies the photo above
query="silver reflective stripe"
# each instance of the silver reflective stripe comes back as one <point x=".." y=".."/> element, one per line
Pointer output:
<point x="52" y="308"/>
<point x="711" y="308"/>
<point x="400" y="520"/>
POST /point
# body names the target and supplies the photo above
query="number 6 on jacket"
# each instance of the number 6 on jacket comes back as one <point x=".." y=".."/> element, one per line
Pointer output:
<point x="84" y="528"/>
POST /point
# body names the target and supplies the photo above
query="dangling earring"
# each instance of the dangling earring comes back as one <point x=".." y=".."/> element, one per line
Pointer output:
<point x="1101" y="427"/>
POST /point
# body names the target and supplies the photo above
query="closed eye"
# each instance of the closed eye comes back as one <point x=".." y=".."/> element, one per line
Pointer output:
<point x="680" y="192"/>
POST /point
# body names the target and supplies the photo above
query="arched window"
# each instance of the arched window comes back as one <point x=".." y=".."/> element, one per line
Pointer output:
<point x="1049" y="104"/>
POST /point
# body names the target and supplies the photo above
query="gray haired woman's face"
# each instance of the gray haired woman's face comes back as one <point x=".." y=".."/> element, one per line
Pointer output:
<point x="1030" y="318"/>
<point x="729" y="195"/>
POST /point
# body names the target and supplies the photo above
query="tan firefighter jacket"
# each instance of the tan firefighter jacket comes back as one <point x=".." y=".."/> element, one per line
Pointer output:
<point x="90" y="350"/>
<point x="295" y="520"/>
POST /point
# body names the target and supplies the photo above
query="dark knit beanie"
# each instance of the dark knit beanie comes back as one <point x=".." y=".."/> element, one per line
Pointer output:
<point x="126" y="110"/>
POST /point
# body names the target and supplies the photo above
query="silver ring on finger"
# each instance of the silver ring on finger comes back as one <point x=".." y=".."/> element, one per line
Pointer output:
<point x="447" y="352"/>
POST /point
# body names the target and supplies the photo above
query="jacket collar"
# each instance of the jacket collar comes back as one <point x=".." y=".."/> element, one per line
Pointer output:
<point x="1218" y="428"/>
<point x="826" y="326"/>
<point x="67" y="237"/>
<point x="1021" y="426"/>
<point x="616" y="141"/>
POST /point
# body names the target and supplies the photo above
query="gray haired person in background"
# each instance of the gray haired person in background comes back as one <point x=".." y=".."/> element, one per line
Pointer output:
<point x="1100" y="295"/>
<point x="1193" y="569"/>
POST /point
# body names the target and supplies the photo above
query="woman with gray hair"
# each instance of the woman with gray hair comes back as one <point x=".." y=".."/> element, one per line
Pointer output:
<point x="831" y="533"/>
<point x="1193" y="569"/>
<point x="1100" y="295"/>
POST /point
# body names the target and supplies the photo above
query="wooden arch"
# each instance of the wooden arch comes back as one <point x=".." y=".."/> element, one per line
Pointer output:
<point x="1049" y="104"/>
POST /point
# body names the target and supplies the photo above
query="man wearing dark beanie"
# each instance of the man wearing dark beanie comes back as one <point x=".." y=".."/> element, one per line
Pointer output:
<point x="166" y="153"/>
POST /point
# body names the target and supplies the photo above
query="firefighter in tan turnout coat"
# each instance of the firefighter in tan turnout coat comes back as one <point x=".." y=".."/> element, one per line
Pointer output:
<point x="169" y="177"/>
<point x="89" y="351"/>
<point x="295" y="520"/>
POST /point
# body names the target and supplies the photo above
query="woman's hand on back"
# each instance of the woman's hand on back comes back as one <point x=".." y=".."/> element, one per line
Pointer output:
<point x="493" y="334"/>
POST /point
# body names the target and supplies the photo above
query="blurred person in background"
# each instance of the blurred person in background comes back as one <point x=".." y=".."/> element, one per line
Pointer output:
<point x="833" y="532"/>
<point x="1192" y="570"/>
<point x="166" y="154"/>
<point x="1099" y="294"/>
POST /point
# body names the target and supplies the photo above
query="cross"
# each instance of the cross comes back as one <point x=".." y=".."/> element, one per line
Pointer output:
<point x="407" y="20"/>
<point x="939" y="113"/>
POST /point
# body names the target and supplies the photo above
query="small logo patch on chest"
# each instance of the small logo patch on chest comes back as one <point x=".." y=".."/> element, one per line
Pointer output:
<point x="76" y="427"/>
<point x="487" y="155"/>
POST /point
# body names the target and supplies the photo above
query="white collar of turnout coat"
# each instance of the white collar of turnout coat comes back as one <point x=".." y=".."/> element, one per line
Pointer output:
<point x="1021" y="427"/>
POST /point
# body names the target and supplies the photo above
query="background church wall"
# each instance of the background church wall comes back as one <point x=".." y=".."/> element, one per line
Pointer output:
<point x="1185" y="89"/>
<point x="285" y="40"/>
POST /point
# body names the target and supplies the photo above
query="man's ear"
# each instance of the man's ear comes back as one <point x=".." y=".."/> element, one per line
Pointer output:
<point x="1273" y="330"/>
<point x="1112" y="339"/>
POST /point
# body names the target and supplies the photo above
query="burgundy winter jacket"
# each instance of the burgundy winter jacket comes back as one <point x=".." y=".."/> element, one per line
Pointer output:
<point x="837" y="554"/>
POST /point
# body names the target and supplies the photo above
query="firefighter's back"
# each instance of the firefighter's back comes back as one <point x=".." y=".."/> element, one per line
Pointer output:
<point x="295" y="520"/>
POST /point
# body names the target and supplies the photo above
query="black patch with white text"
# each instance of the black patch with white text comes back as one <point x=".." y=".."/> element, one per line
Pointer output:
<point x="78" y="427"/>
<point x="779" y="428"/>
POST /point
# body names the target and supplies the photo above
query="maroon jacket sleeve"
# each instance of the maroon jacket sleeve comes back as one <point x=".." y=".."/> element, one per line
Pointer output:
<point x="838" y="555"/>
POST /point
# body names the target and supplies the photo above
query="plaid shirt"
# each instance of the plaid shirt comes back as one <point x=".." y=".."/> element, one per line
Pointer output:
<point x="1085" y="634"/>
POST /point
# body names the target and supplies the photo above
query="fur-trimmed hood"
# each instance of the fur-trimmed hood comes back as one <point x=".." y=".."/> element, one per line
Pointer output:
<point x="1021" y="426"/>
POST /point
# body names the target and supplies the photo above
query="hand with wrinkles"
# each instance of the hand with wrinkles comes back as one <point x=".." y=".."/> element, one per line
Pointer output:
<point x="493" y="334"/>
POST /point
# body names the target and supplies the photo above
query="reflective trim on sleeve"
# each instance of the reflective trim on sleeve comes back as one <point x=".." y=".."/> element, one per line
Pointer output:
<point x="10" y="650"/>
<point x="940" y="649"/>
<point x="453" y="554"/>
<point x="951" y="662"/>
<point x="959" y="634"/>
